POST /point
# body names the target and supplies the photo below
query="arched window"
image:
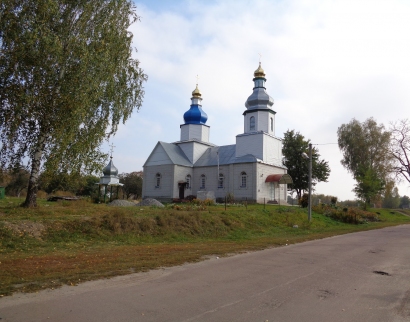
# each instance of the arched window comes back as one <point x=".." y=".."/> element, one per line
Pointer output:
<point x="203" y="179"/>
<point x="271" y="124"/>
<point x="243" y="179"/>
<point x="158" y="180"/>
<point x="252" y="123"/>
<point x="188" y="181"/>
<point x="221" y="181"/>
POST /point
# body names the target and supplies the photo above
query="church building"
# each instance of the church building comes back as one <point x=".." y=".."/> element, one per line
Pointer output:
<point x="251" y="169"/>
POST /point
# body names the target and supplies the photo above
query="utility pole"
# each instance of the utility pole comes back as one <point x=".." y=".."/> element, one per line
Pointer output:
<point x="310" y="183"/>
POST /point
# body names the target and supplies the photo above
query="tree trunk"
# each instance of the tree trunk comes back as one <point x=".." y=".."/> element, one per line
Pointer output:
<point x="31" y="198"/>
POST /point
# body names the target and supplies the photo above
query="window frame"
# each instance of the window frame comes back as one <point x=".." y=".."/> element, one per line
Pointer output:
<point x="158" y="180"/>
<point x="221" y="181"/>
<point x="252" y="122"/>
<point x="188" y="180"/>
<point x="244" y="180"/>
<point x="202" y="182"/>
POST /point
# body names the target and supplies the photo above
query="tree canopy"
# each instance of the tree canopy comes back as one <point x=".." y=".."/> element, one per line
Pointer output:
<point x="67" y="79"/>
<point x="365" y="148"/>
<point x="400" y="148"/>
<point x="294" y="144"/>
<point x="132" y="184"/>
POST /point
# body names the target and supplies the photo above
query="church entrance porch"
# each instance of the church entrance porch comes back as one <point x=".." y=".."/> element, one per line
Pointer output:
<point x="274" y="180"/>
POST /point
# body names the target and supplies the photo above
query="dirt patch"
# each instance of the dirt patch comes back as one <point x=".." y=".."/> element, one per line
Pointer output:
<point x="26" y="227"/>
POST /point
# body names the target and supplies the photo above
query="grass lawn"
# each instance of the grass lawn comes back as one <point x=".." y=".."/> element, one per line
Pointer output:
<point x="65" y="242"/>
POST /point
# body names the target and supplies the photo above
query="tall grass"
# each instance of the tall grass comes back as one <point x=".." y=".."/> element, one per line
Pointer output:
<point x="61" y="242"/>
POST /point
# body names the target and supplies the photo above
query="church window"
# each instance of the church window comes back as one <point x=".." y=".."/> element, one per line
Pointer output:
<point x="271" y="124"/>
<point x="243" y="179"/>
<point x="188" y="182"/>
<point x="252" y="123"/>
<point x="158" y="180"/>
<point x="203" y="179"/>
<point x="221" y="181"/>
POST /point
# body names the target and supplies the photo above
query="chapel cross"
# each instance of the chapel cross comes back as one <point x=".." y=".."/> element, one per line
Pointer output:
<point x="112" y="148"/>
<point x="260" y="56"/>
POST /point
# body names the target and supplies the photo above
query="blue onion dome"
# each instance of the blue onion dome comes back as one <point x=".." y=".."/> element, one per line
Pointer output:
<point x="259" y="99"/>
<point x="110" y="169"/>
<point x="195" y="115"/>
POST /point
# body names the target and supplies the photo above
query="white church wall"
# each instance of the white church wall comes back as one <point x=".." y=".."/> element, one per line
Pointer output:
<point x="262" y="121"/>
<point x="180" y="174"/>
<point x="241" y="193"/>
<point x="195" y="131"/>
<point x="249" y="144"/>
<point x="165" y="189"/>
<point x="273" y="149"/>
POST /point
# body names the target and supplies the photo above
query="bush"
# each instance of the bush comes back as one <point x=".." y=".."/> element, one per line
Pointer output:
<point x="304" y="201"/>
<point x="350" y="215"/>
<point x="230" y="198"/>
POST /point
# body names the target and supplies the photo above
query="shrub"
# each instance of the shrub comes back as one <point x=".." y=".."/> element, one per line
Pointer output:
<point x="304" y="201"/>
<point x="230" y="198"/>
<point x="351" y="215"/>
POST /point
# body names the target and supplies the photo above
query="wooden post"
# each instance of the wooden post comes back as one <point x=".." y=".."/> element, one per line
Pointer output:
<point x="246" y="203"/>
<point x="225" y="202"/>
<point x="99" y="192"/>
<point x="105" y="192"/>
<point x="264" y="204"/>
<point x="110" y="193"/>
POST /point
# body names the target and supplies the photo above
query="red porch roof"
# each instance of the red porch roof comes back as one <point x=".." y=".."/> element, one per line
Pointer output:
<point x="280" y="178"/>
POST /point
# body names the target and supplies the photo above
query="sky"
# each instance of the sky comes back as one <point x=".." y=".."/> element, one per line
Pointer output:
<point x="326" y="62"/>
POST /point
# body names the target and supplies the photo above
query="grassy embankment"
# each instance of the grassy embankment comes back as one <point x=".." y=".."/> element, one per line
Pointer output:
<point x="71" y="242"/>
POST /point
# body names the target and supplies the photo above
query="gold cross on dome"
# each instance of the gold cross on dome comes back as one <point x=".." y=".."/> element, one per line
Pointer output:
<point x="197" y="79"/>
<point x="260" y="56"/>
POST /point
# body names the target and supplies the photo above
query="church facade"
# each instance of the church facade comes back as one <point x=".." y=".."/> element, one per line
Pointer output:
<point x="251" y="169"/>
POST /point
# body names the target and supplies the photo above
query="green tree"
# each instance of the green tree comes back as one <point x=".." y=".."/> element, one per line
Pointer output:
<point x="18" y="181"/>
<point x="391" y="198"/>
<point x="294" y="145"/>
<point x="404" y="202"/>
<point x="132" y="184"/>
<point x="368" y="186"/>
<point x="67" y="79"/>
<point x="366" y="154"/>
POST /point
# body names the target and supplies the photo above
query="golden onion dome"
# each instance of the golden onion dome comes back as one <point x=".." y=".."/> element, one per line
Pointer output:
<point x="259" y="72"/>
<point x="196" y="92"/>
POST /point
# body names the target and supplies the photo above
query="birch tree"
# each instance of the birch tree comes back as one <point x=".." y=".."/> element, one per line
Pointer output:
<point x="67" y="79"/>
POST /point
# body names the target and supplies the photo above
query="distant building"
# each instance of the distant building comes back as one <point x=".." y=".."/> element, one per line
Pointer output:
<point x="251" y="169"/>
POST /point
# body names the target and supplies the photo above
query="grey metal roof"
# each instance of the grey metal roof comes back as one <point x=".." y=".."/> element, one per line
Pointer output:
<point x="259" y="99"/>
<point x="226" y="156"/>
<point x="176" y="154"/>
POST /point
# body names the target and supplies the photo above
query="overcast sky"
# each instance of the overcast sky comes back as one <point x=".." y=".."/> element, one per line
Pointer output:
<point x="326" y="62"/>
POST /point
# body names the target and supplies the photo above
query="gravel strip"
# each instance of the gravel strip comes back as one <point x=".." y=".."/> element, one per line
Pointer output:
<point x="121" y="203"/>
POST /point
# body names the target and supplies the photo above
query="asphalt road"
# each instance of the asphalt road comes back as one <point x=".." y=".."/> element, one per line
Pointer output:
<point x="356" y="277"/>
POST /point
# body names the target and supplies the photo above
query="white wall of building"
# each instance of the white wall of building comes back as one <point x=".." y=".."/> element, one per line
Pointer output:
<point x="195" y="132"/>
<point x="165" y="190"/>
<point x="262" y="122"/>
<point x="250" y="144"/>
<point x="272" y="148"/>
